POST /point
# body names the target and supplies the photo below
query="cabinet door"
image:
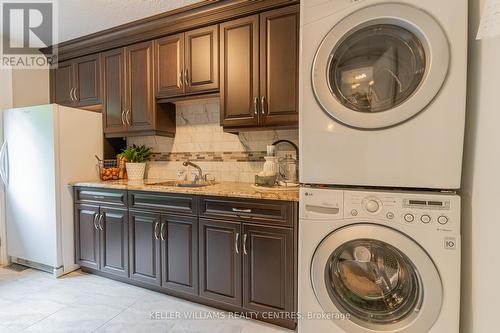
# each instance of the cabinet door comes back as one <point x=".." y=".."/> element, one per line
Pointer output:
<point x="169" y="60"/>
<point x="179" y="257"/>
<point x="140" y="99"/>
<point x="268" y="259"/>
<point x="63" y="83"/>
<point x="113" y="82"/>
<point x="144" y="247"/>
<point x="87" y="236"/>
<point x="114" y="241"/>
<point x="239" y="59"/>
<point x="87" y="80"/>
<point x="279" y="63"/>
<point x="220" y="261"/>
<point x="202" y="60"/>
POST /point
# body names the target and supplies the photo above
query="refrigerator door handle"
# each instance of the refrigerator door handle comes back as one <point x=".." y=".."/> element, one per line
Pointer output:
<point x="3" y="167"/>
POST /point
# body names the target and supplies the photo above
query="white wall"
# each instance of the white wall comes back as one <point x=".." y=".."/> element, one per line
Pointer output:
<point x="481" y="185"/>
<point x="5" y="103"/>
<point x="30" y="87"/>
<point x="82" y="17"/>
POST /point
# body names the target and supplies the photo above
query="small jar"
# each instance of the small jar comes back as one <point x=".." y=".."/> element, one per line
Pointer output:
<point x="288" y="169"/>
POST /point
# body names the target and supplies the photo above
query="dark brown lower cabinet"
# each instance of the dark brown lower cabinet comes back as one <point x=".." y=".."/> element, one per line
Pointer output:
<point x="231" y="253"/>
<point x="220" y="261"/>
<point x="87" y="243"/>
<point x="179" y="253"/>
<point x="145" y="245"/>
<point x="101" y="238"/>
<point x="247" y="265"/>
<point x="268" y="266"/>
<point x="114" y="241"/>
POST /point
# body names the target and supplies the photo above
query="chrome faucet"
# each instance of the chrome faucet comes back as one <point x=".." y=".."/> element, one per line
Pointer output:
<point x="197" y="167"/>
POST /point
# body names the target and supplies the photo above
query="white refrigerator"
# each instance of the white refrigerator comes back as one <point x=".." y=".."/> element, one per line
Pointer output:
<point x="45" y="148"/>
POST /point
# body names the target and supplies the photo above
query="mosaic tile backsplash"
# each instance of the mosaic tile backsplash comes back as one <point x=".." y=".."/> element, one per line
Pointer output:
<point x="200" y="139"/>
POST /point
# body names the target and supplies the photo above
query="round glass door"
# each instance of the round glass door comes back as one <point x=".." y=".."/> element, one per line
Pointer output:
<point x="382" y="282"/>
<point x="377" y="68"/>
<point x="383" y="71"/>
<point x="373" y="280"/>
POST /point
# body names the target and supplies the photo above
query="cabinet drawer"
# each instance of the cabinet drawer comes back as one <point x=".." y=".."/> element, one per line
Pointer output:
<point x="100" y="196"/>
<point x="266" y="211"/>
<point x="175" y="203"/>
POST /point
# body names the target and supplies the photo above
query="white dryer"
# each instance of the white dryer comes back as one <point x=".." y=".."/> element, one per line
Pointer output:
<point x="373" y="262"/>
<point x="382" y="93"/>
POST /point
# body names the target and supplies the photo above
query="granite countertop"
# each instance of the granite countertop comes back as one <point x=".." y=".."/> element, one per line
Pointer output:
<point x="221" y="189"/>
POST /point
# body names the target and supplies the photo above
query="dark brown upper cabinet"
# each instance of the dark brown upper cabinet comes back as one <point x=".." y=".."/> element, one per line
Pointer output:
<point x="129" y="106"/>
<point x="239" y="50"/>
<point x="76" y="82"/>
<point x="113" y="82"/>
<point x="279" y="66"/>
<point x="259" y="75"/>
<point x="187" y="63"/>
<point x="169" y="58"/>
<point x="139" y="96"/>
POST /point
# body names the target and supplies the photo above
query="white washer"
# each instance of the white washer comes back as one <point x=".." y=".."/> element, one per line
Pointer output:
<point x="382" y="92"/>
<point x="381" y="261"/>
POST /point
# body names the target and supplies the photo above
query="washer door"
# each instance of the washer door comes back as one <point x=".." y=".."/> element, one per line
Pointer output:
<point x="379" y="277"/>
<point x="383" y="71"/>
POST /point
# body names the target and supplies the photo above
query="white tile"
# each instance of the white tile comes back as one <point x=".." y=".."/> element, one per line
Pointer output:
<point x="22" y="314"/>
<point x="76" y="318"/>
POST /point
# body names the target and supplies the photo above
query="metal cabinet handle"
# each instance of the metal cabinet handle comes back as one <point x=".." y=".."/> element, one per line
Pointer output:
<point x="101" y="218"/>
<point x="181" y="78"/>
<point x="237" y="210"/>
<point x="71" y="94"/>
<point x="162" y="235"/>
<point x="236" y="241"/>
<point x="263" y="105"/>
<point x="245" y="244"/>
<point x="99" y="197"/>
<point x="128" y="117"/>
<point x="157" y="237"/>
<point x="186" y="76"/>
<point x="255" y="107"/>
<point x="74" y="95"/>
<point x="95" y="221"/>
<point x="123" y="114"/>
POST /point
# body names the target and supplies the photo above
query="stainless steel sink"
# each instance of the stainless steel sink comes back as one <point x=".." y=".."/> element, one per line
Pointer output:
<point x="193" y="184"/>
<point x="184" y="184"/>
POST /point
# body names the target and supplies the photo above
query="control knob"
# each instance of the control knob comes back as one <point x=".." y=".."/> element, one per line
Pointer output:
<point x="372" y="206"/>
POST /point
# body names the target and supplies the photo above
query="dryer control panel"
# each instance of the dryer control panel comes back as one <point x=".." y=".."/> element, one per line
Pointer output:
<point x="423" y="210"/>
<point x="426" y="209"/>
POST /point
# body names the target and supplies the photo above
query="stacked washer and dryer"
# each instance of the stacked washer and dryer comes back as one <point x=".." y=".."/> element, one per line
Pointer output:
<point x="382" y="126"/>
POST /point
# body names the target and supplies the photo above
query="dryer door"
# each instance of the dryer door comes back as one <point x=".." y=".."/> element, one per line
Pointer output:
<point x="383" y="71"/>
<point x="378" y="277"/>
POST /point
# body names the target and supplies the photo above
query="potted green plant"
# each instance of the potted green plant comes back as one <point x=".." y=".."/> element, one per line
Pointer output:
<point x="136" y="158"/>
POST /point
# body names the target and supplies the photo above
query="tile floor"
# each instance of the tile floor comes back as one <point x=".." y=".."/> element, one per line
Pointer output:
<point x="34" y="301"/>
